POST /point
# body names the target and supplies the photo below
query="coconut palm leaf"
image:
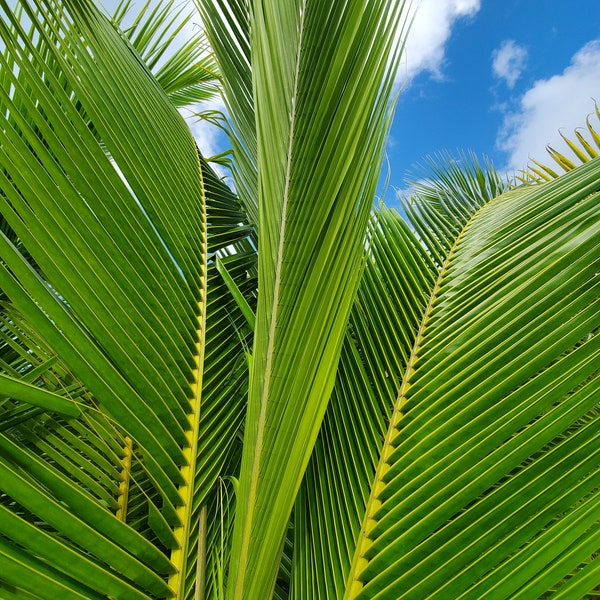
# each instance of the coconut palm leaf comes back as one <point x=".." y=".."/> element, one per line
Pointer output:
<point x="186" y="71"/>
<point x="393" y="292"/>
<point x="489" y="459"/>
<point x="314" y="202"/>
<point x="33" y="380"/>
<point x="397" y="282"/>
<point x="335" y="492"/>
<point x="447" y="190"/>
<point x="584" y="146"/>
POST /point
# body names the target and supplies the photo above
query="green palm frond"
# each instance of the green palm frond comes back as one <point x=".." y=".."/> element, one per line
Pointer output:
<point x="109" y="268"/>
<point x="314" y="202"/>
<point x="490" y="455"/>
<point x="398" y="279"/>
<point x="33" y="379"/>
<point x="448" y="189"/>
<point x="117" y="287"/>
<point x="395" y="285"/>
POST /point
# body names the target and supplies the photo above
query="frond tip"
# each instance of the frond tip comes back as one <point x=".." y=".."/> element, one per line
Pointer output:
<point x="585" y="146"/>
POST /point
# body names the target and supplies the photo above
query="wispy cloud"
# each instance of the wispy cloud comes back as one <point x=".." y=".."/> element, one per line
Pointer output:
<point x="431" y="29"/>
<point x="509" y="61"/>
<point x="562" y="101"/>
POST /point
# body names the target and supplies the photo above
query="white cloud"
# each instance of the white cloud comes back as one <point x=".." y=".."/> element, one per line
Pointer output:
<point x="430" y="31"/>
<point x="562" y="101"/>
<point x="509" y="61"/>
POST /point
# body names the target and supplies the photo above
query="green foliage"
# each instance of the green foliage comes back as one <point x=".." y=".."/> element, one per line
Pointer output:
<point x="281" y="392"/>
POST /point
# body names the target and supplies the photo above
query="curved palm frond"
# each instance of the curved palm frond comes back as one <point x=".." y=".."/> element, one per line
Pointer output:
<point x="490" y="459"/>
<point x="398" y="279"/>
<point x="359" y="410"/>
<point x="448" y="189"/>
<point x="107" y="263"/>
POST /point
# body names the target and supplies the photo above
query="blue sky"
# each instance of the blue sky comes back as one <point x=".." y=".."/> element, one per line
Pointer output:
<point x="503" y="79"/>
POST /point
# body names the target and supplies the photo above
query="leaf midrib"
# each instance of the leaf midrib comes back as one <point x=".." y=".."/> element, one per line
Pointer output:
<point x="240" y="575"/>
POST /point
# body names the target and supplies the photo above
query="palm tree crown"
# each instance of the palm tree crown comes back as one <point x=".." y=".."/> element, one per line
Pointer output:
<point x="280" y="391"/>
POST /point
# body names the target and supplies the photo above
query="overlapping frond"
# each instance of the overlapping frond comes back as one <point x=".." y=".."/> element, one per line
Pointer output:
<point x="107" y="259"/>
<point x="106" y="262"/>
<point x="70" y="453"/>
<point x="363" y="409"/>
<point x="30" y="374"/>
<point x="447" y="190"/>
<point x="395" y="286"/>
<point x="399" y="277"/>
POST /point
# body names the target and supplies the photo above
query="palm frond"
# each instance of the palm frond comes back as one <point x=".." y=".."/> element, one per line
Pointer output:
<point x="183" y="66"/>
<point x="398" y="279"/>
<point x="314" y="201"/>
<point x="285" y="395"/>
<point x="448" y="189"/>
<point x="490" y="457"/>
<point x="395" y="285"/>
